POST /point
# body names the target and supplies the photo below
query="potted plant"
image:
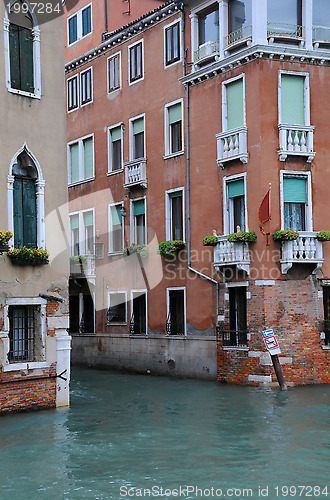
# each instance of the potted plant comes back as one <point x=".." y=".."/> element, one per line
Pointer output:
<point x="142" y="250"/>
<point x="323" y="235"/>
<point x="4" y="238"/>
<point x="170" y="247"/>
<point x="210" y="241"/>
<point x="248" y="236"/>
<point x="285" y="235"/>
<point x="29" y="256"/>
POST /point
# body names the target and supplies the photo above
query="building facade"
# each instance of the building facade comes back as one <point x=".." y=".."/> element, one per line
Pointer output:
<point x="206" y="119"/>
<point x="34" y="270"/>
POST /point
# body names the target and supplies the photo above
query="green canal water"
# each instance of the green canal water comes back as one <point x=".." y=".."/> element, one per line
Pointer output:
<point x="125" y="433"/>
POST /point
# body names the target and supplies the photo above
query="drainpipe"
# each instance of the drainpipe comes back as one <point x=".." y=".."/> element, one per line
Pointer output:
<point x="106" y="20"/>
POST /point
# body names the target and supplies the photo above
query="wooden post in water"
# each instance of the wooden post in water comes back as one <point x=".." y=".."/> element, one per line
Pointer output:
<point x="274" y="349"/>
<point x="278" y="371"/>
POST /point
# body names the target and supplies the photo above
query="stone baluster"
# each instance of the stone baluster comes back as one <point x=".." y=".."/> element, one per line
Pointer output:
<point x="312" y="248"/>
<point x="296" y="141"/>
<point x="303" y="141"/>
<point x="290" y="146"/>
<point x="295" y="249"/>
<point x="231" y="144"/>
<point x="236" y="144"/>
<point x="301" y="248"/>
<point x="225" y="147"/>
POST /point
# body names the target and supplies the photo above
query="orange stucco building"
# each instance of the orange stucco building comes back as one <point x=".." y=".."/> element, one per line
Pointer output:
<point x="203" y="119"/>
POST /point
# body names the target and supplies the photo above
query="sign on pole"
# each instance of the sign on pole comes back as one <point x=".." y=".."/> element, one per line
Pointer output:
<point x="271" y="342"/>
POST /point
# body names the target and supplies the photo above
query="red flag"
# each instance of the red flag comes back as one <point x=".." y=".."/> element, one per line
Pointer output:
<point x="264" y="211"/>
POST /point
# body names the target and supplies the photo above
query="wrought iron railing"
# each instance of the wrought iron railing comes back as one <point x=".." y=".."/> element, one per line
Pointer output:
<point x="136" y="326"/>
<point x="172" y="326"/>
<point x="321" y="34"/>
<point x="327" y="332"/>
<point x="285" y="30"/>
<point x="233" y="338"/>
<point x="235" y="36"/>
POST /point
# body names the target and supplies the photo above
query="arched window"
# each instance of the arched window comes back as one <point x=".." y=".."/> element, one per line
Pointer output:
<point x="26" y="201"/>
<point x="22" y="49"/>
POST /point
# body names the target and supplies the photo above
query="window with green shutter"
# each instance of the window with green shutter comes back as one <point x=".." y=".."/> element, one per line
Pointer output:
<point x="235" y="104"/>
<point x="88" y="158"/>
<point x="86" y="15"/>
<point x="116" y="230"/>
<point x="295" y="203"/>
<point x="236" y="205"/>
<point x="25" y="213"/>
<point x="81" y="160"/>
<point x="293" y="99"/>
<point x="139" y="222"/>
<point x="175" y="128"/>
<point x="21" y="58"/>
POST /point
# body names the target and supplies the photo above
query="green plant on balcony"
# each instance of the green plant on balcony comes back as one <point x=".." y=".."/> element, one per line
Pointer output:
<point x="29" y="256"/>
<point x="142" y="250"/>
<point x="249" y="236"/>
<point x="210" y="241"/>
<point x="170" y="247"/>
<point x="77" y="258"/>
<point x="323" y="235"/>
<point x="285" y="235"/>
<point x="4" y="238"/>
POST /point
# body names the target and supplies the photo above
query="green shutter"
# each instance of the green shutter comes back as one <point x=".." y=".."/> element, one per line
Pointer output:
<point x="26" y="59"/>
<point x="88" y="158"/>
<point x="116" y="215"/>
<point x="86" y="21"/>
<point x="176" y="194"/>
<point x="292" y="99"/>
<point x="29" y="214"/>
<point x="74" y="163"/>
<point x="139" y="208"/>
<point x="174" y="113"/>
<point x="14" y="56"/>
<point x="235" y="111"/>
<point x="236" y="188"/>
<point x="88" y="219"/>
<point x="73" y="33"/>
<point x="116" y="134"/>
<point x="74" y="221"/>
<point x="138" y="126"/>
<point x="294" y="190"/>
<point x="18" y="214"/>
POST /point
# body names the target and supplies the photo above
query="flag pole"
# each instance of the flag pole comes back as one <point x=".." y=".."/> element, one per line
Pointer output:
<point x="268" y="234"/>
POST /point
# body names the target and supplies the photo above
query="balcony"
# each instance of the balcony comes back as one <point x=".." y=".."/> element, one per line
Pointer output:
<point x="304" y="250"/>
<point x="321" y="37"/>
<point x="234" y="338"/>
<point x="237" y="39"/>
<point x="232" y="145"/>
<point x="284" y="32"/>
<point x="296" y="140"/>
<point x="206" y="52"/>
<point x="135" y="173"/>
<point x="228" y="253"/>
<point x="82" y="266"/>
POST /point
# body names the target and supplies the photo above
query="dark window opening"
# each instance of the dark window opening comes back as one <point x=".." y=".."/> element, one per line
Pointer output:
<point x="326" y="307"/>
<point x="136" y="68"/>
<point x="138" y="318"/>
<point x="21" y="333"/>
<point x="237" y="333"/>
<point x="176" y="316"/>
<point x="172" y="43"/>
<point x="86" y="87"/>
<point x="176" y="137"/>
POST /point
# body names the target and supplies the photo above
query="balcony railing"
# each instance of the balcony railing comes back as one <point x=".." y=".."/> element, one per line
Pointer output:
<point x="228" y="253"/>
<point x="238" y="37"/>
<point x="206" y="51"/>
<point x="321" y="34"/>
<point x="136" y="173"/>
<point x="232" y="145"/>
<point x="234" y="338"/>
<point x="136" y="326"/>
<point x="304" y="250"/>
<point x="285" y="31"/>
<point x="296" y="140"/>
<point x="84" y="266"/>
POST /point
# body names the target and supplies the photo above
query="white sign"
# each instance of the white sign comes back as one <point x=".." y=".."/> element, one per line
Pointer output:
<point x="271" y="342"/>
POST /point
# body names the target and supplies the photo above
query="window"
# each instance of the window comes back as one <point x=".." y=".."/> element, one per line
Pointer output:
<point x="82" y="233"/>
<point x="136" y="62"/>
<point x="115" y="145"/>
<point x="173" y="128"/>
<point x="116" y="228"/>
<point x="174" y="215"/>
<point x="80" y="24"/>
<point x="139" y="222"/>
<point x="21" y="333"/>
<point x="295" y="202"/>
<point x="86" y="86"/>
<point x="321" y="20"/>
<point x="236" y="206"/>
<point x="137" y="138"/>
<point x="138" y="323"/>
<point x="283" y="13"/>
<point x="172" y="43"/>
<point x="240" y="17"/>
<point x="237" y="333"/>
<point x="326" y="308"/>
<point x="81" y="310"/>
<point x="22" y="51"/>
<point x="81" y="160"/>
<point x="294" y="98"/>
<point x="176" y="311"/>
<point x="233" y="103"/>
<point x="114" y="72"/>
<point x="208" y="22"/>
<point x="117" y="310"/>
<point x="72" y="93"/>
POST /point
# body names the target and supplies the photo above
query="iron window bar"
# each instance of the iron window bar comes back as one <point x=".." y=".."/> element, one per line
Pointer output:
<point x="21" y="333"/>
<point x="234" y="338"/>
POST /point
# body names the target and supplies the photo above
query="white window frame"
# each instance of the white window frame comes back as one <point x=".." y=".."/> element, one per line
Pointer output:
<point x="81" y="160"/>
<point x="81" y="86"/>
<point x="228" y="222"/>
<point x="309" y="206"/>
<point x="36" y="54"/>
<point x="131" y="135"/>
<point x="167" y="138"/>
<point x="224" y="101"/>
<point x="82" y="230"/>
<point x="110" y="171"/>
<point x="176" y="21"/>
<point x="132" y="220"/>
<point x="141" y="41"/>
<point x="307" y="113"/>
<point x="119" y="72"/>
<point x="173" y="288"/>
<point x="76" y="76"/>
<point x="78" y="13"/>
<point x="142" y="291"/>
<point x="113" y="292"/>
<point x="168" y="213"/>
<point x="111" y="251"/>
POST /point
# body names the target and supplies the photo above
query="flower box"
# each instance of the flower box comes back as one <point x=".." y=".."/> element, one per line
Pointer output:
<point x="28" y="256"/>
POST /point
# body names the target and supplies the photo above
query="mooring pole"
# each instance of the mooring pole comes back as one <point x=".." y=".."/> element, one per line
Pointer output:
<point x="278" y="371"/>
<point x="274" y="349"/>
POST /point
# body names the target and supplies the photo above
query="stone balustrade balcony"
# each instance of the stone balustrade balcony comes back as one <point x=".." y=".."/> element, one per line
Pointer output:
<point x="296" y="140"/>
<point x="83" y="266"/>
<point x="232" y="145"/>
<point x="228" y="253"/>
<point x="136" y="173"/>
<point x="206" y="52"/>
<point x="304" y="250"/>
